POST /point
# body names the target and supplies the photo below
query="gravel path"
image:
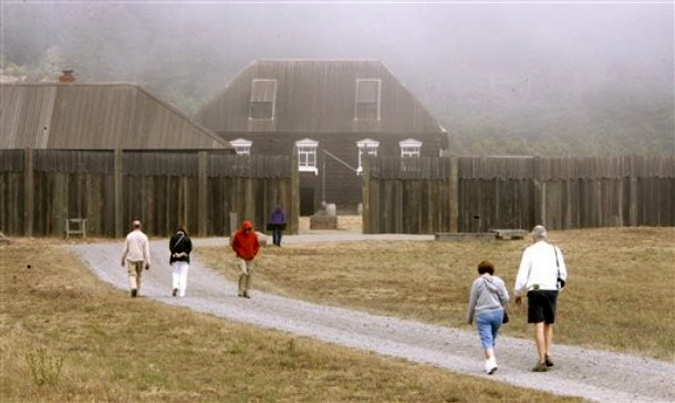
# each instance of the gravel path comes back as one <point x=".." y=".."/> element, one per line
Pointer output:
<point x="595" y="375"/>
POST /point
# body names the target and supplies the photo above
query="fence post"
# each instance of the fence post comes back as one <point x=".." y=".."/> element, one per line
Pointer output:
<point x="453" y="186"/>
<point x="117" y="184"/>
<point x="633" y="210"/>
<point x="29" y="191"/>
<point x="234" y="222"/>
<point x="249" y="202"/>
<point x="295" y="193"/>
<point x="202" y="184"/>
<point x="365" y="194"/>
<point x="539" y="193"/>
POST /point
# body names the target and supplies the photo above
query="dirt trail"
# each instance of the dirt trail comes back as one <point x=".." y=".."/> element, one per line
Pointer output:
<point x="595" y="375"/>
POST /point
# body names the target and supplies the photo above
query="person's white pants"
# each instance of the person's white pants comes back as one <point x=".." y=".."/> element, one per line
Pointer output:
<point x="179" y="272"/>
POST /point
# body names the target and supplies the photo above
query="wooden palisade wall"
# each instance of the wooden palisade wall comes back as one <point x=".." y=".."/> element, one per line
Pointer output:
<point x="474" y="194"/>
<point x="40" y="189"/>
<point x="412" y="195"/>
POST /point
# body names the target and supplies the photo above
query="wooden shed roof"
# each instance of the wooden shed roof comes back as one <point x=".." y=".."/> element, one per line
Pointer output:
<point x="316" y="96"/>
<point x="95" y="116"/>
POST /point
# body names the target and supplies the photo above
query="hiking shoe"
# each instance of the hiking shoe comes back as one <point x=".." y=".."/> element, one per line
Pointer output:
<point x="548" y="361"/>
<point x="134" y="292"/>
<point x="247" y="295"/>
<point x="493" y="370"/>
<point x="175" y="292"/>
<point x="540" y="367"/>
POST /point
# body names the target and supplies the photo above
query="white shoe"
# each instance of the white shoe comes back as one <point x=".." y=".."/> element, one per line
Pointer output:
<point x="491" y="365"/>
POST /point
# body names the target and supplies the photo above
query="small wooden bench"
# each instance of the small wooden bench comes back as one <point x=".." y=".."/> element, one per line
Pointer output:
<point x="509" y="233"/>
<point x="464" y="236"/>
<point x="80" y="225"/>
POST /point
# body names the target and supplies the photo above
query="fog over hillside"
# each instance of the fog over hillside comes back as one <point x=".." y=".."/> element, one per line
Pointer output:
<point x="549" y="79"/>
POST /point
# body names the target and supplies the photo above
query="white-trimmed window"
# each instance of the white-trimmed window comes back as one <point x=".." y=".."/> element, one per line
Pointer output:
<point x="263" y="99"/>
<point x="307" y="155"/>
<point x="410" y="148"/>
<point x="242" y="146"/>
<point x="366" y="147"/>
<point x="367" y="102"/>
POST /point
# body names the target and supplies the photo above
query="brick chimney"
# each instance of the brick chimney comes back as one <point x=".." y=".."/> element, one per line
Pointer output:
<point x="67" y="77"/>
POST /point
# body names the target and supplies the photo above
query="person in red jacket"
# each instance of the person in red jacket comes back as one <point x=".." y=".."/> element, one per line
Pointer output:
<point x="245" y="245"/>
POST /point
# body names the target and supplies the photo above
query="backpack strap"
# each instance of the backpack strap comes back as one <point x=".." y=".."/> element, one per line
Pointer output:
<point x="179" y="240"/>
<point x="557" y="265"/>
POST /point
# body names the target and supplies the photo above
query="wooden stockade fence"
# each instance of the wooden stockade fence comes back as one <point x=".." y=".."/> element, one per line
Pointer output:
<point x="475" y="194"/>
<point x="411" y="195"/>
<point x="40" y="189"/>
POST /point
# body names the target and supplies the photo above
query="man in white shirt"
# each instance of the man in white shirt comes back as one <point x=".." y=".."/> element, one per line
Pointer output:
<point x="136" y="255"/>
<point x="541" y="274"/>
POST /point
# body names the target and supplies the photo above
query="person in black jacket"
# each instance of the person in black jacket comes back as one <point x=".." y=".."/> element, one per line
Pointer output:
<point x="180" y="246"/>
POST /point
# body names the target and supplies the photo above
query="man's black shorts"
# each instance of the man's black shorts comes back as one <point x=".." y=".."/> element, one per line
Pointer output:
<point x="541" y="306"/>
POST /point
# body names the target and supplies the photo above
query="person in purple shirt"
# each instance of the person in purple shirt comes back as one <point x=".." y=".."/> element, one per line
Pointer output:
<point x="278" y="224"/>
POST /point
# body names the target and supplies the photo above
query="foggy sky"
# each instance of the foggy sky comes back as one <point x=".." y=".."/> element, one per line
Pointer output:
<point x="460" y="60"/>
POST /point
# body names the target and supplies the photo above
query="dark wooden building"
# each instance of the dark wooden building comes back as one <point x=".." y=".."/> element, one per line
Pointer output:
<point x="95" y="116"/>
<point x="332" y="112"/>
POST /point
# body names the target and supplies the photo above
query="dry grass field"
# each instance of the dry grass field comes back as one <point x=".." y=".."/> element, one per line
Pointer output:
<point x="65" y="336"/>
<point x="620" y="295"/>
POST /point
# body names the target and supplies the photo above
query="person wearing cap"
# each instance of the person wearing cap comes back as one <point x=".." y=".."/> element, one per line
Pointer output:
<point x="136" y="255"/>
<point x="245" y="245"/>
<point x="542" y="273"/>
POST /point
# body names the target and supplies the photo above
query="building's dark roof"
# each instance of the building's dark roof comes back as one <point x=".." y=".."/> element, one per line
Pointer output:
<point x="316" y="96"/>
<point x="95" y="116"/>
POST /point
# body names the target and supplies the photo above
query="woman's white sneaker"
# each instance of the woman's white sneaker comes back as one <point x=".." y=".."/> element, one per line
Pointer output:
<point x="491" y="365"/>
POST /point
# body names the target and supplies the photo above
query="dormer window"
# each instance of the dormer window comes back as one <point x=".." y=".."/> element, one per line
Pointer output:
<point x="263" y="99"/>
<point x="307" y="155"/>
<point x="242" y="146"/>
<point x="368" y="93"/>
<point x="366" y="147"/>
<point x="410" y="148"/>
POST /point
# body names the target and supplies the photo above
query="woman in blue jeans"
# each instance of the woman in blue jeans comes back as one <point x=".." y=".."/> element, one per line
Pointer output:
<point x="487" y="302"/>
